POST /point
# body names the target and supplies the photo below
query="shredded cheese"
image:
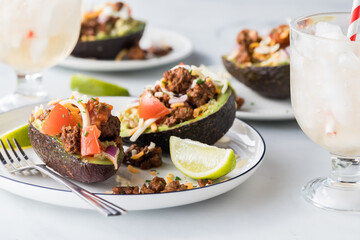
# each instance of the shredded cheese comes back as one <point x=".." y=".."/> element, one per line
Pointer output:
<point x="132" y="132"/>
<point x="151" y="146"/>
<point x="137" y="156"/>
<point x="189" y="185"/>
<point x="175" y="105"/>
<point x="132" y="169"/>
<point x="153" y="127"/>
<point x="133" y="152"/>
<point x="168" y="180"/>
<point x="140" y="130"/>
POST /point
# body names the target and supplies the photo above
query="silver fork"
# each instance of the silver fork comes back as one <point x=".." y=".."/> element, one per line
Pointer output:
<point x="25" y="164"/>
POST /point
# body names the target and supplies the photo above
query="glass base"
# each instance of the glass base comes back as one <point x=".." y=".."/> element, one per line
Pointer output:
<point x="332" y="195"/>
<point x="13" y="101"/>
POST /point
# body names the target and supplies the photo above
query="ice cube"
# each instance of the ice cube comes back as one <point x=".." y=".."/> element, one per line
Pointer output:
<point x="328" y="30"/>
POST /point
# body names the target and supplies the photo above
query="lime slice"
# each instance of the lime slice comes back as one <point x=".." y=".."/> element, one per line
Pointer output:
<point x="95" y="87"/>
<point x="20" y="134"/>
<point x="201" y="161"/>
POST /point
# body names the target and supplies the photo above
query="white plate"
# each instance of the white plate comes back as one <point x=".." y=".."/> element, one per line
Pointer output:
<point x="245" y="141"/>
<point x="181" y="45"/>
<point x="257" y="107"/>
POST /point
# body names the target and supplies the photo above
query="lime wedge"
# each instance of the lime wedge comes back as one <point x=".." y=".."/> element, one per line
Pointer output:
<point x="201" y="161"/>
<point x="95" y="87"/>
<point x="20" y="134"/>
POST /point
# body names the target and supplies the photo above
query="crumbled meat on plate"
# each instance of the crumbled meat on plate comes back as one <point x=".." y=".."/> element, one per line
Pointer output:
<point x="201" y="93"/>
<point x="144" y="158"/>
<point x="156" y="185"/>
<point x="126" y="190"/>
<point x="178" y="80"/>
<point x="70" y="138"/>
<point x="174" y="186"/>
<point x="205" y="182"/>
<point x="159" y="51"/>
<point x="239" y="102"/>
<point x="136" y="53"/>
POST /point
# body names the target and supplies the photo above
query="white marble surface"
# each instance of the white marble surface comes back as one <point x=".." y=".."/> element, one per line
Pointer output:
<point x="267" y="206"/>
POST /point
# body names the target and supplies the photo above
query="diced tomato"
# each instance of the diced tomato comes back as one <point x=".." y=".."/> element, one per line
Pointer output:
<point x="75" y="112"/>
<point x="90" y="143"/>
<point x="58" y="117"/>
<point x="151" y="107"/>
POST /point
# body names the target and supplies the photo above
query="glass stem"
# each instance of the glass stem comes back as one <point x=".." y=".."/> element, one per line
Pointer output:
<point x="345" y="170"/>
<point x="30" y="85"/>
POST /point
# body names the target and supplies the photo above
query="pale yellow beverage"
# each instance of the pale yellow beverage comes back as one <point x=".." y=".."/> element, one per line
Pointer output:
<point x="37" y="34"/>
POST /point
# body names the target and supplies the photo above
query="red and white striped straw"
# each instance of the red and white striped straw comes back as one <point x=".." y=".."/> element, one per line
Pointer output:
<point x="354" y="21"/>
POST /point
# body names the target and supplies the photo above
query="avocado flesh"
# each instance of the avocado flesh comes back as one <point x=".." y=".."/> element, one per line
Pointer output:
<point x="108" y="48"/>
<point x="87" y="170"/>
<point x="208" y="128"/>
<point x="122" y="28"/>
<point x="268" y="81"/>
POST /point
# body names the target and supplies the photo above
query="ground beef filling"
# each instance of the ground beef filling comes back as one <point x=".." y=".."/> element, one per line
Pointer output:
<point x="99" y="112"/>
<point x="70" y="138"/>
<point x="245" y="38"/>
<point x="179" y="115"/>
<point x="149" y="158"/>
<point x="201" y="93"/>
<point x="91" y="26"/>
<point x="178" y="80"/>
<point x="156" y="185"/>
<point x="110" y="129"/>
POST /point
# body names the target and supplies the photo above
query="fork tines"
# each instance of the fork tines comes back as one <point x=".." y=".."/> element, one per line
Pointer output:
<point x="8" y="160"/>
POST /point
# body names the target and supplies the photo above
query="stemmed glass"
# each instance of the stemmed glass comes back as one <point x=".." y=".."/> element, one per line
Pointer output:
<point x="325" y="95"/>
<point x="35" y="35"/>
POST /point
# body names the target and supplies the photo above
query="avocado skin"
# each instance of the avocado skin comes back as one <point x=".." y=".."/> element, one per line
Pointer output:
<point x="106" y="49"/>
<point x="271" y="82"/>
<point x="55" y="157"/>
<point x="206" y="130"/>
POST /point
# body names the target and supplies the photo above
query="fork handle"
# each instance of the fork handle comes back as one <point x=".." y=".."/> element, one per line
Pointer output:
<point x="105" y="207"/>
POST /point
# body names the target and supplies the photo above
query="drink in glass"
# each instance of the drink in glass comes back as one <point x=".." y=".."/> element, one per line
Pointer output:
<point x="35" y="35"/>
<point x="325" y="95"/>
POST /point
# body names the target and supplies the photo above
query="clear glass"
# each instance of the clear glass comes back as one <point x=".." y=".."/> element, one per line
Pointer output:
<point x="35" y="35"/>
<point x="325" y="95"/>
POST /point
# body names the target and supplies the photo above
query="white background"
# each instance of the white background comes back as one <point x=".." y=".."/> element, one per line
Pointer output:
<point x="267" y="206"/>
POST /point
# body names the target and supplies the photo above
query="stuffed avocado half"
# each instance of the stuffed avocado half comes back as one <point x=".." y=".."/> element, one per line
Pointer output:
<point x="262" y="63"/>
<point x="78" y="138"/>
<point x="107" y="30"/>
<point x="188" y="102"/>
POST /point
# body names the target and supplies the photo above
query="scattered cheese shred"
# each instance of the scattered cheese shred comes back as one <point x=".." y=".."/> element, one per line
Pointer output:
<point x="175" y="105"/>
<point x="133" y="131"/>
<point x="189" y="185"/>
<point x="137" y="156"/>
<point x="154" y="127"/>
<point x="140" y="130"/>
<point x="153" y="173"/>
<point x="132" y="169"/>
<point x="168" y="180"/>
